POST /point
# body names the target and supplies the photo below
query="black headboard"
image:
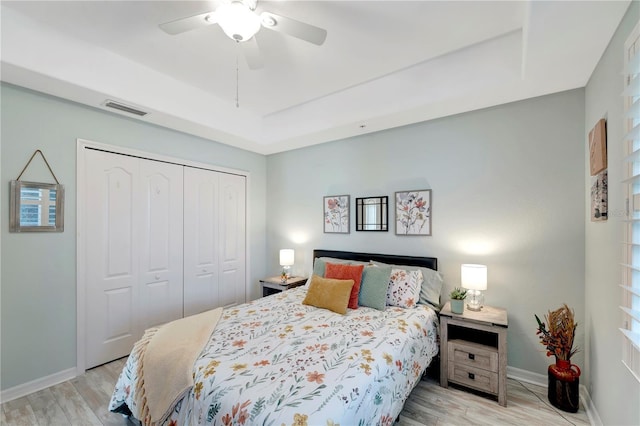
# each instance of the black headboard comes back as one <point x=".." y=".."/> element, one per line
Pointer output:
<point x="427" y="262"/>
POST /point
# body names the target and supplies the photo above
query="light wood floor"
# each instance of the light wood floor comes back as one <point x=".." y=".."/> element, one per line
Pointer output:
<point x="84" y="401"/>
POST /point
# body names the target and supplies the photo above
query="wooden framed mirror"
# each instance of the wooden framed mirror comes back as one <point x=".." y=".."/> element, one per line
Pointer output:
<point x="372" y="214"/>
<point x="36" y="207"/>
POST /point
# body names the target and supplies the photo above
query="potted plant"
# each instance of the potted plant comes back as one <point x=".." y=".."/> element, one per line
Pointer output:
<point x="558" y="338"/>
<point x="457" y="296"/>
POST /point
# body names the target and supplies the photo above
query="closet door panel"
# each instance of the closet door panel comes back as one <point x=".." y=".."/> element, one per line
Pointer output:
<point x="232" y="239"/>
<point x="112" y="247"/>
<point x="161" y="230"/>
<point x="201" y="239"/>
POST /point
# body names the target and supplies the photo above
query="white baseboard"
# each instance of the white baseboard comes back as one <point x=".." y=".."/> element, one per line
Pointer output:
<point x="592" y="413"/>
<point x="37" y="385"/>
<point x="542" y="380"/>
<point x="527" y="376"/>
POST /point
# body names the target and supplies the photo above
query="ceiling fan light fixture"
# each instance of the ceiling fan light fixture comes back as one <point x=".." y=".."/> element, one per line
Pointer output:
<point x="268" y="21"/>
<point x="237" y="21"/>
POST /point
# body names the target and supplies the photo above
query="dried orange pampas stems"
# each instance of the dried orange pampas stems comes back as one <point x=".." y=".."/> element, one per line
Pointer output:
<point x="558" y="338"/>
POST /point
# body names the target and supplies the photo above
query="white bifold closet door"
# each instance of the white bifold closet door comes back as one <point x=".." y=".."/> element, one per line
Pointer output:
<point x="162" y="241"/>
<point x="232" y="248"/>
<point x="161" y="237"/>
<point x="134" y="250"/>
<point x="214" y="240"/>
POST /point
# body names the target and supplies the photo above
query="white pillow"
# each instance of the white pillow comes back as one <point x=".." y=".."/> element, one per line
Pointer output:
<point x="432" y="283"/>
<point x="404" y="288"/>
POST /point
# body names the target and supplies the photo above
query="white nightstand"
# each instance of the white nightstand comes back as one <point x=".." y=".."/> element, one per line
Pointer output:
<point x="473" y="350"/>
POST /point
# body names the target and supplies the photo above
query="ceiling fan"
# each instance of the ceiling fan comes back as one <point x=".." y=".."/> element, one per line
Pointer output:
<point x="240" y="22"/>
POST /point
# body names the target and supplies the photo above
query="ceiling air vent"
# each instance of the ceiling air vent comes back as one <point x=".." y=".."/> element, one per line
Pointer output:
<point x="122" y="107"/>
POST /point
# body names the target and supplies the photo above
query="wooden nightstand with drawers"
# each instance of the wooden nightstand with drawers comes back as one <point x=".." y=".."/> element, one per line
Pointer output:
<point x="473" y="350"/>
<point x="275" y="285"/>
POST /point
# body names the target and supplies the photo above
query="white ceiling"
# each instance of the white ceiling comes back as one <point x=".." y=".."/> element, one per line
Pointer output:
<point x="384" y="63"/>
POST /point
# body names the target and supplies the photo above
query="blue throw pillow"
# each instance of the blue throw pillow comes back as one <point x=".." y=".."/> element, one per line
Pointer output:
<point x="373" y="289"/>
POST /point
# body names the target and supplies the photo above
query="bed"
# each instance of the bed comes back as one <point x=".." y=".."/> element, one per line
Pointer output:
<point x="278" y="361"/>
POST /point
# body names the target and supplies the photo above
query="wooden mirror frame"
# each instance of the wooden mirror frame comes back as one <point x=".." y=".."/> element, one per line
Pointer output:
<point x="16" y="203"/>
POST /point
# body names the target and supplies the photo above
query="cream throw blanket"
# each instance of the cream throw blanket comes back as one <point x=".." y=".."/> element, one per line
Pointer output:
<point x="166" y="356"/>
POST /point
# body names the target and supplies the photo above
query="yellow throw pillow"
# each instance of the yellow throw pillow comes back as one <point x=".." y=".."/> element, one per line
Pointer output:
<point x="329" y="294"/>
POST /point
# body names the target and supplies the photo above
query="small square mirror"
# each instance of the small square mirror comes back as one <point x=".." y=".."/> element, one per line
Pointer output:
<point x="372" y="214"/>
<point x="36" y="207"/>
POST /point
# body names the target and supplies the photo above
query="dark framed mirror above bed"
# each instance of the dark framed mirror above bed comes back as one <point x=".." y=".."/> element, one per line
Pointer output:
<point x="372" y="214"/>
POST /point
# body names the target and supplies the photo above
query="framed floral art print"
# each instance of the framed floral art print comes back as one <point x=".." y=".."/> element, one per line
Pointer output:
<point x="336" y="214"/>
<point x="413" y="212"/>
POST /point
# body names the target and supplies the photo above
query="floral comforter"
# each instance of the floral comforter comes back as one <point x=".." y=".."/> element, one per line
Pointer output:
<point x="276" y="361"/>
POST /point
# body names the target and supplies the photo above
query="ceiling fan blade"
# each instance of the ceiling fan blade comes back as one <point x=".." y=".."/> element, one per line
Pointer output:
<point x="301" y="30"/>
<point x="190" y="23"/>
<point x="252" y="53"/>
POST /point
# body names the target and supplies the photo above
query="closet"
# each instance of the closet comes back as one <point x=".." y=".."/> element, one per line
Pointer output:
<point x="214" y="239"/>
<point x="161" y="241"/>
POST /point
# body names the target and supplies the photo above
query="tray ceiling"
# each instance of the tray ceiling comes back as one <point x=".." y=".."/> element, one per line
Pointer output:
<point x="384" y="63"/>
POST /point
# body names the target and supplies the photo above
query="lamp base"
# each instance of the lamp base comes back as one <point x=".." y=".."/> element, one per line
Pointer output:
<point x="474" y="308"/>
<point x="285" y="274"/>
<point x="475" y="300"/>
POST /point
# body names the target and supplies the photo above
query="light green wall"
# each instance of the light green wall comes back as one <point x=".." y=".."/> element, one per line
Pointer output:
<point x="510" y="189"/>
<point x="38" y="294"/>
<point x="615" y="392"/>
<point x="508" y="192"/>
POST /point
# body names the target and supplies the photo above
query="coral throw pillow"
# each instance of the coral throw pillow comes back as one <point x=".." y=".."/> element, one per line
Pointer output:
<point x="346" y="272"/>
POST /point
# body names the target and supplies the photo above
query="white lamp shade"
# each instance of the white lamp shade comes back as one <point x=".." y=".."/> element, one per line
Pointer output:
<point x="473" y="277"/>
<point x="287" y="257"/>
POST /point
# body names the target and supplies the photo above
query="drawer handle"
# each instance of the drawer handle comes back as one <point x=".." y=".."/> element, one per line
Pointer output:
<point x="472" y="376"/>
<point x="472" y="356"/>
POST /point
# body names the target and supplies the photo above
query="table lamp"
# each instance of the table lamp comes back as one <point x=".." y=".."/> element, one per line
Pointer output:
<point x="474" y="278"/>
<point x="287" y="257"/>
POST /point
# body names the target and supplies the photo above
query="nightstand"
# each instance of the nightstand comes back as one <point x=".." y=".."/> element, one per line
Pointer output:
<point x="473" y="350"/>
<point x="275" y="285"/>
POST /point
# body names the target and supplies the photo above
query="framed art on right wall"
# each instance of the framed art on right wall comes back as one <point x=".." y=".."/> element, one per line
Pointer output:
<point x="598" y="147"/>
<point x="599" y="198"/>
<point x="413" y="212"/>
